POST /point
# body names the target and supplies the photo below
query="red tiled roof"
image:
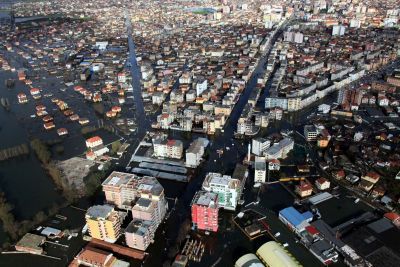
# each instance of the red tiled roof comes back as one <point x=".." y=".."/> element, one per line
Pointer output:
<point x="93" y="139"/>
<point x="95" y="256"/>
<point x="275" y="161"/>
<point x="171" y="142"/>
<point x="392" y="216"/>
<point x="305" y="186"/>
<point x="312" y="230"/>
<point x="321" y="180"/>
<point x="373" y="175"/>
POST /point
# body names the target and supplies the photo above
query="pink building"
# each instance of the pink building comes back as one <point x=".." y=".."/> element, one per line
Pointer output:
<point x="205" y="211"/>
<point x="138" y="234"/>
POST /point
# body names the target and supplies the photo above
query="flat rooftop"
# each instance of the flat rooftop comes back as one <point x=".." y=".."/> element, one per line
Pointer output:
<point x="336" y="211"/>
<point x="31" y="241"/>
<point x="138" y="227"/>
<point x="99" y="211"/>
<point x="118" y="178"/>
<point x="205" y="198"/>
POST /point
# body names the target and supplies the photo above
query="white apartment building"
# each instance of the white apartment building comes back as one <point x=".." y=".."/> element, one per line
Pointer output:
<point x="279" y="150"/>
<point x="260" y="170"/>
<point x="259" y="145"/>
<point x="310" y="132"/>
<point x="227" y="188"/>
<point x="201" y="86"/>
<point x="195" y="152"/>
<point x="168" y="148"/>
<point x="338" y="30"/>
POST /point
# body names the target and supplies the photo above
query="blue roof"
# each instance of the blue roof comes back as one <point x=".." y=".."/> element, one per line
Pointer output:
<point x="294" y="217"/>
<point x="307" y="215"/>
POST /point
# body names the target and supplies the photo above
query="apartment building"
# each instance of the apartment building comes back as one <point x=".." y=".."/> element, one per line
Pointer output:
<point x="280" y="102"/>
<point x="310" y="132"/>
<point x="205" y="211"/>
<point x="227" y="188"/>
<point x="148" y="212"/>
<point x="104" y="222"/>
<point x="144" y="196"/>
<point x="260" y="170"/>
<point x="195" y="152"/>
<point x="168" y="148"/>
<point x="120" y="189"/>
<point x="138" y="235"/>
<point x="279" y="150"/>
<point x="259" y="145"/>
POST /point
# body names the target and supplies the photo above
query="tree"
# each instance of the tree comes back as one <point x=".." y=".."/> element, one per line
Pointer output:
<point x="115" y="146"/>
<point x="92" y="182"/>
<point x="7" y="218"/>
<point x="41" y="150"/>
<point x="55" y="174"/>
<point x="39" y="217"/>
<point x="59" y="149"/>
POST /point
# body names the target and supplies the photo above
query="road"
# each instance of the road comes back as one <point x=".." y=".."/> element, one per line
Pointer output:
<point x="143" y="121"/>
<point x="214" y="163"/>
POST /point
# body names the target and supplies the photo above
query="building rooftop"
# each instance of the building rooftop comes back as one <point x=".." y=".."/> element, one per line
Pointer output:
<point x="204" y="198"/>
<point x="89" y="255"/>
<point x="31" y="241"/>
<point x="143" y="202"/>
<point x="118" y="179"/>
<point x="138" y="227"/>
<point x="145" y="184"/>
<point x="99" y="211"/>
<point x="275" y="255"/>
<point x="249" y="260"/>
<point x="294" y="216"/>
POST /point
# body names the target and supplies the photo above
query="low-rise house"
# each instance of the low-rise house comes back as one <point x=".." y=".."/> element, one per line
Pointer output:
<point x="94" y="257"/>
<point x="31" y="243"/>
<point x="304" y="189"/>
<point x="322" y="183"/>
<point x="371" y="177"/>
<point x="274" y="165"/>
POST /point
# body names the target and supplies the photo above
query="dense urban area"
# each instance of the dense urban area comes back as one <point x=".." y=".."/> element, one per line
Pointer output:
<point x="200" y="133"/>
